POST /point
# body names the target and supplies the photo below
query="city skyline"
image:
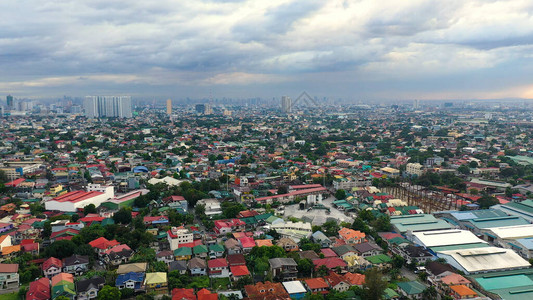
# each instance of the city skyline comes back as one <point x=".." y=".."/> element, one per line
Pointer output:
<point x="358" y="50"/>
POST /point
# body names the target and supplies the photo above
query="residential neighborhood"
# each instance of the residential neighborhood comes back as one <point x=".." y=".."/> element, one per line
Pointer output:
<point x="389" y="203"/>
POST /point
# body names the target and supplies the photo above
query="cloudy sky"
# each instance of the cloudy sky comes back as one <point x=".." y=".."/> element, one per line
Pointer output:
<point x="361" y="50"/>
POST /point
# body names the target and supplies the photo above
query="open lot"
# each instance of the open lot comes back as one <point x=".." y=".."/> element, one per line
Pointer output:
<point x="319" y="216"/>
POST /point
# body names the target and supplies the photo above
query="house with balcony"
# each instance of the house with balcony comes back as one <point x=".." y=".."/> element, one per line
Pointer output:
<point x="183" y="253"/>
<point x="88" y="288"/>
<point x="216" y="251"/>
<point x="52" y="266"/>
<point x="156" y="282"/>
<point x="9" y="277"/>
<point x="131" y="280"/>
<point x="76" y="264"/>
<point x="350" y="236"/>
<point x="178" y="236"/>
<point x="218" y="268"/>
<point x="197" y="267"/>
<point x="284" y="268"/>
<point x="320" y="238"/>
<point x="63" y="285"/>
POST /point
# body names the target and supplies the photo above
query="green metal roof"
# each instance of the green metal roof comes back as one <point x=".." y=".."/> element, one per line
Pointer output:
<point x="390" y="293"/>
<point x="459" y="247"/>
<point x="183" y="251"/>
<point x="199" y="249"/>
<point x="249" y="220"/>
<point x="419" y="222"/>
<point x="379" y="259"/>
<point x="526" y="206"/>
<point x="513" y="285"/>
<point x="108" y="221"/>
<point x="399" y="240"/>
<point x="216" y="248"/>
<point x="412" y="287"/>
<point x="498" y="222"/>
<point x="263" y="216"/>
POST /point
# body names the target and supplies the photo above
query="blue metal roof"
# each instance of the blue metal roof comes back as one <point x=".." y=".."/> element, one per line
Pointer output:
<point x="526" y="242"/>
<point x="122" y="278"/>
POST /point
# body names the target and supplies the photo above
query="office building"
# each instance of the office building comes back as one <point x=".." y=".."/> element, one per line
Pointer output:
<point x="286" y="104"/>
<point x="107" y="106"/>
<point x="169" y="107"/>
<point x="200" y="108"/>
<point x="208" y="109"/>
<point x="10" y="103"/>
<point x="204" y="109"/>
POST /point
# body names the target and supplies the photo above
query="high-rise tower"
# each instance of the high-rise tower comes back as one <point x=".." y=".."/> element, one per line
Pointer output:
<point x="169" y="107"/>
<point x="10" y="104"/>
<point x="286" y="104"/>
<point x="107" y="106"/>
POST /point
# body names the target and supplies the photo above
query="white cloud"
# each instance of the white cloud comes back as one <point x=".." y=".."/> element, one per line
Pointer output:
<point x="196" y="43"/>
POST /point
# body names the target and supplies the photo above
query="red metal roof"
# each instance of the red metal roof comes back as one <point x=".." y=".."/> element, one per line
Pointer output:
<point x="76" y="196"/>
<point x="240" y="270"/>
<point x="15" y="182"/>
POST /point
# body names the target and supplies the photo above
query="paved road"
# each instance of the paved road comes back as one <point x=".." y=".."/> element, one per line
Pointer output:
<point x="408" y="274"/>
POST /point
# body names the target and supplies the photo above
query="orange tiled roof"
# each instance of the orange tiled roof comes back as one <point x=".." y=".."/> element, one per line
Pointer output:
<point x="463" y="290"/>
<point x="10" y="249"/>
<point x="455" y="279"/>
<point x="261" y="243"/>
<point x="347" y="234"/>
<point x="355" y="278"/>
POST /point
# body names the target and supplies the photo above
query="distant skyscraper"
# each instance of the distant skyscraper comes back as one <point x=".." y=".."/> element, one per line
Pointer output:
<point x="416" y="104"/>
<point x="204" y="109"/>
<point x="286" y="104"/>
<point x="200" y="108"/>
<point x="107" y="106"/>
<point x="10" y="103"/>
<point x="208" y="109"/>
<point x="169" y="107"/>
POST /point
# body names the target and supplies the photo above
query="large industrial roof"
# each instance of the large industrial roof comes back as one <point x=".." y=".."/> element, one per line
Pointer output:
<point x="509" y="285"/>
<point x="446" y="238"/>
<point x="486" y="259"/>
<point x="76" y="196"/>
<point x="418" y="222"/>
<point x="513" y="232"/>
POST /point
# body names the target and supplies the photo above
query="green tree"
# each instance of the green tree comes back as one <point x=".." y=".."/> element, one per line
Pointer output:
<point x="464" y="169"/>
<point x="375" y="284"/>
<point x="22" y="292"/>
<point x="283" y="189"/>
<point x="340" y="194"/>
<point x="123" y="216"/>
<point x="89" y="209"/>
<point x="60" y="249"/>
<point x="487" y="201"/>
<point x="231" y="209"/>
<point x="305" y="244"/>
<point x="126" y="293"/>
<point x="322" y="271"/>
<point x="47" y="229"/>
<point x="330" y="228"/>
<point x="109" y="293"/>
<point x="382" y="224"/>
<point x="305" y="267"/>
